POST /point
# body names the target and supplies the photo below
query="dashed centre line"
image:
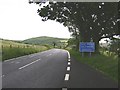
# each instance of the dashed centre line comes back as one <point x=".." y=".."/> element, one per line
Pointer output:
<point x="69" y="60"/>
<point x="29" y="64"/>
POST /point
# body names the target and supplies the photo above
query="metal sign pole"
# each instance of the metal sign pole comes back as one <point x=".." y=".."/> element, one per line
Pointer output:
<point x="90" y="54"/>
<point x="88" y="47"/>
<point x="82" y="54"/>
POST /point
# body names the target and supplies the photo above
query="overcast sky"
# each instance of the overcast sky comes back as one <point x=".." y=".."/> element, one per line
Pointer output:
<point x="19" y="20"/>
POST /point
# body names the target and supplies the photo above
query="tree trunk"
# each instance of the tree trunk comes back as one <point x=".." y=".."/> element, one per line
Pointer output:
<point x="96" y="46"/>
<point x="77" y="42"/>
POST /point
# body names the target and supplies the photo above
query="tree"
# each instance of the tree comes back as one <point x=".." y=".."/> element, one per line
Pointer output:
<point x="85" y="20"/>
<point x="114" y="46"/>
<point x="54" y="44"/>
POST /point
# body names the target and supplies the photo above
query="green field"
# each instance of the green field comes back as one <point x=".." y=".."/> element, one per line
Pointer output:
<point x="44" y="40"/>
<point x="106" y="65"/>
<point x="11" y="49"/>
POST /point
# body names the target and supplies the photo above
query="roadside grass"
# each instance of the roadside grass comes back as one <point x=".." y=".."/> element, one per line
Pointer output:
<point x="12" y="49"/>
<point x="108" y="53"/>
<point x="106" y="65"/>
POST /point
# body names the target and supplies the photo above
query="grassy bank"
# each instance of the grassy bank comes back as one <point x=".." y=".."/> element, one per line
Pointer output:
<point x="105" y="64"/>
<point x="12" y="49"/>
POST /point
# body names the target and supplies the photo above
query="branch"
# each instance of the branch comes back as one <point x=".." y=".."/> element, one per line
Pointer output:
<point x="110" y="36"/>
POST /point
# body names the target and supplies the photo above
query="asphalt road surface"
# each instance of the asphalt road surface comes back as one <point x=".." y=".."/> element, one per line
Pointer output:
<point x="51" y="69"/>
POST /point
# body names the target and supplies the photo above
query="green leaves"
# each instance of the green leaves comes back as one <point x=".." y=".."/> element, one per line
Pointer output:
<point x="81" y="16"/>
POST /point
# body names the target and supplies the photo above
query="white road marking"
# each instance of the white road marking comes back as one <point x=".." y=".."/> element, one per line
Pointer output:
<point x="68" y="55"/>
<point x="49" y="55"/>
<point x="64" y="88"/>
<point x="69" y="63"/>
<point x="68" y="68"/>
<point x="66" y="77"/>
<point x="9" y="60"/>
<point x="14" y="62"/>
<point x="29" y="64"/>
<point x="69" y="60"/>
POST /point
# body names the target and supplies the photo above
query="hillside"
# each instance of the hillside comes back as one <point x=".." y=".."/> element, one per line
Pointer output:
<point x="12" y="49"/>
<point x="45" y="41"/>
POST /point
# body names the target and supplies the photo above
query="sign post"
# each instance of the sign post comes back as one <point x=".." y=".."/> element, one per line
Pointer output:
<point x="86" y="47"/>
<point x="82" y="54"/>
<point x="90" y="54"/>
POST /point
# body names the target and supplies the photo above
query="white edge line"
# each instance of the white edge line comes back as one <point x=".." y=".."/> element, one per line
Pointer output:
<point x="29" y="64"/>
<point x="66" y="77"/>
<point x="68" y="68"/>
<point x="69" y="63"/>
<point x="68" y="55"/>
<point x="64" y="88"/>
<point x="68" y="59"/>
<point x="9" y="60"/>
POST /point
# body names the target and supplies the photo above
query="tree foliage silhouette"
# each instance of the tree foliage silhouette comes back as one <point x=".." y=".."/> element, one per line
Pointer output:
<point x="87" y="21"/>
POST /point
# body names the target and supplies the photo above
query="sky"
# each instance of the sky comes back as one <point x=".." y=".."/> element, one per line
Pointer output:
<point x="19" y="21"/>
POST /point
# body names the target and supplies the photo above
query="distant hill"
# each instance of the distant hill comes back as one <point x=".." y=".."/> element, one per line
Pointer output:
<point x="13" y="43"/>
<point x="44" y="40"/>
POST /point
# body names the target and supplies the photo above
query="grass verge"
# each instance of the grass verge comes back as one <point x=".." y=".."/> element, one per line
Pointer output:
<point x="11" y="49"/>
<point x="8" y="53"/>
<point x="106" y="65"/>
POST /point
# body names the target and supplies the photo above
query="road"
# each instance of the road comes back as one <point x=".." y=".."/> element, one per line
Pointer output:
<point x="51" y="69"/>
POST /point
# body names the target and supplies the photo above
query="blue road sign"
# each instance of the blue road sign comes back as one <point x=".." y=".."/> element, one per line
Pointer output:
<point x="87" y="47"/>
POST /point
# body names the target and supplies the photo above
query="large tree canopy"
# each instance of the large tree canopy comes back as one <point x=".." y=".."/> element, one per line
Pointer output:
<point x="85" y="20"/>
